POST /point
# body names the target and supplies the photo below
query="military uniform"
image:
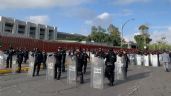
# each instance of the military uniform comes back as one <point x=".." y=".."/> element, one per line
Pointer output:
<point x="58" y="58"/>
<point x="110" y="66"/>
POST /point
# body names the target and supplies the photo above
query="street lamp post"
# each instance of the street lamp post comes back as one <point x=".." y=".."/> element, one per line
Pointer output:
<point x="123" y="25"/>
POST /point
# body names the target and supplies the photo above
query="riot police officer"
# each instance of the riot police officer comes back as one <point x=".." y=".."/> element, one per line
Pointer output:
<point x="100" y="53"/>
<point x="85" y="57"/>
<point x="26" y="55"/>
<point x="63" y="59"/>
<point x="38" y="60"/>
<point x="58" y="59"/>
<point x="20" y="56"/>
<point x="10" y="53"/>
<point x="110" y="66"/>
<point x="79" y="64"/>
<point x="44" y="59"/>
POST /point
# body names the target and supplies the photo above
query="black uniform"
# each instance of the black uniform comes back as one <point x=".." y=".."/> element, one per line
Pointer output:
<point x="63" y="60"/>
<point x="58" y="59"/>
<point x="20" y="55"/>
<point x="79" y="64"/>
<point x="85" y="57"/>
<point x="126" y="66"/>
<point x="9" y="53"/>
<point x="38" y="60"/>
<point x="26" y="55"/>
<point x="110" y="66"/>
<point x="44" y="60"/>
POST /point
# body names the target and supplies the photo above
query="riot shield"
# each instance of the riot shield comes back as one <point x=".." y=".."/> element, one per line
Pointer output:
<point x="154" y="60"/>
<point x="132" y="59"/>
<point x="14" y="64"/>
<point x="72" y="72"/>
<point x="2" y="59"/>
<point x="50" y="68"/>
<point x="97" y="73"/>
<point x="31" y="64"/>
<point x="146" y="60"/>
<point x="139" y="59"/>
<point x="119" y="74"/>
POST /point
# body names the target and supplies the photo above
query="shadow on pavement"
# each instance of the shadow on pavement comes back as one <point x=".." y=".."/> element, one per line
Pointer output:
<point x="134" y="77"/>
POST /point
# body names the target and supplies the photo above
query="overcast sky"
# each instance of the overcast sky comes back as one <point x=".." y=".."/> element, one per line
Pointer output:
<point x="77" y="16"/>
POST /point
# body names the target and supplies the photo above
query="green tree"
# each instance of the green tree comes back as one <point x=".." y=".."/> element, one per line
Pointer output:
<point x="114" y="35"/>
<point x="144" y="38"/>
<point x="98" y="34"/>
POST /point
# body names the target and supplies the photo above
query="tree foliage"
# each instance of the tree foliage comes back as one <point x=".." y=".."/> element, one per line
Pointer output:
<point x="101" y="35"/>
<point x="144" y="38"/>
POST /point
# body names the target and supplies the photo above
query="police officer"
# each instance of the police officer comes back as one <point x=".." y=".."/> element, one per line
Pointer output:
<point x="110" y="66"/>
<point x="20" y="55"/>
<point x="63" y="59"/>
<point x="85" y="57"/>
<point x="58" y="59"/>
<point x="10" y="53"/>
<point x="79" y="64"/>
<point x="26" y="55"/>
<point x="125" y="67"/>
<point x="38" y="60"/>
<point x="44" y="59"/>
<point x="100" y="53"/>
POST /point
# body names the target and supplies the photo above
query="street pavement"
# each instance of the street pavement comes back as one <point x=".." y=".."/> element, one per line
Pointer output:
<point x="142" y="81"/>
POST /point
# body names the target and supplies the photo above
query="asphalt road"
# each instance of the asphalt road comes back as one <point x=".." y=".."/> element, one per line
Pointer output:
<point x="142" y="81"/>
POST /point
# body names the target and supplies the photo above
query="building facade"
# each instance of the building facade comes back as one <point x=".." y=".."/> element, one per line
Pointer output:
<point x="18" y="28"/>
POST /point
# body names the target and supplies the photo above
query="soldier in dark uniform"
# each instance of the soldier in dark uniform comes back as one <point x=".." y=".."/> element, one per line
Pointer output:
<point x="26" y="55"/>
<point x="58" y="59"/>
<point x="79" y="64"/>
<point x="44" y="59"/>
<point x="110" y="66"/>
<point x="20" y="56"/>
<point x="10" y="53"/>
<point x="63" y="59"/>
<point x="85" y="57"/>
<point x="38" y="60"/>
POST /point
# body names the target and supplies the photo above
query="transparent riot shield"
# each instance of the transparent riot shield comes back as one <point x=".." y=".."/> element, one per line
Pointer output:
<point x="72" y="72"/>
<point x="139" y="59"/>
<point x="14" y="64"/>
<point x="2" y="59"/>
<point x="31" y="64"/>
<point x="97" y="73"/>
<point x="146" y="60"/>
<point x="50" y="68"/>
<point x="132" y="59"/>
<point x="119" y="75"/>
<point x="154" y="60"/>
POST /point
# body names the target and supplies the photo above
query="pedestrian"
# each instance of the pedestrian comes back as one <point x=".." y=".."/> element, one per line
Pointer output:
<point x="10" y="53"/>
